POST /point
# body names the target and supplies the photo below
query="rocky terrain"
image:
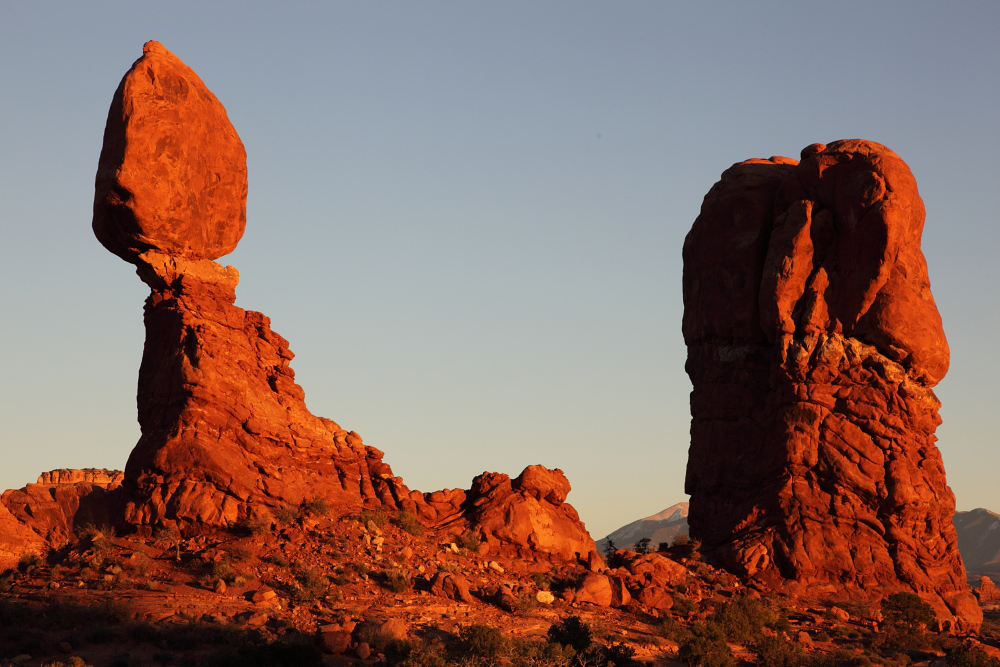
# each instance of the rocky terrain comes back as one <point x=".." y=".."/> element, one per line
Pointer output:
<point x="244" y="530"/>
<point x="813" y="346"/>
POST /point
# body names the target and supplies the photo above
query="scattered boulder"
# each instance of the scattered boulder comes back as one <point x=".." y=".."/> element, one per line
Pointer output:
<point x="334" y="641"/>
<point x="451" y="586"/>
<point x="595" y="589"/>
<point x="813" y="346"/>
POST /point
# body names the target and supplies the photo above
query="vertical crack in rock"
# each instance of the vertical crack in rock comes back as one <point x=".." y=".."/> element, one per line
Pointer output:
<point x="813" y="346"/>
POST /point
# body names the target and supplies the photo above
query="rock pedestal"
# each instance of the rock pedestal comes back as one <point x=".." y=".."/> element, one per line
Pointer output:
<point x="226" y="435"/>
<point x="813" y="346"/>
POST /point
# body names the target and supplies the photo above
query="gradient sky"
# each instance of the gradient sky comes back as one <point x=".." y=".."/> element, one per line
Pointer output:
<point x="467" y="218"/>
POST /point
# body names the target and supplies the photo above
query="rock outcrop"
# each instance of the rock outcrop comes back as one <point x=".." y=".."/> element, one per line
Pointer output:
<point x="50" y="511"/>
<point x="226" y="435"/>
<point x="813" y="346"/>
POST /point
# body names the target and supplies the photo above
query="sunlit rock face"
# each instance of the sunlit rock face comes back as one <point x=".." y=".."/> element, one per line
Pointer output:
<point x="813" y="346"/>
<point x="226" y="435"/>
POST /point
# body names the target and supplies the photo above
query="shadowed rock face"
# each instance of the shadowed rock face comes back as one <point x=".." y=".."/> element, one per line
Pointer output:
<point x="226" y="434"/>
<point x="813" y="344"/>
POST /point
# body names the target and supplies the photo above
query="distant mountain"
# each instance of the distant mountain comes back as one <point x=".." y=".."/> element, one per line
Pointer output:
<point x="978" y="537"/>
<point x="979" y="542"/>
<point x="661" y="527"/>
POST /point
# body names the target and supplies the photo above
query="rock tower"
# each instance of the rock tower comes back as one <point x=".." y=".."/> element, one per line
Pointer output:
<point x="226" y="434"/>
<point x="813" y="346"/>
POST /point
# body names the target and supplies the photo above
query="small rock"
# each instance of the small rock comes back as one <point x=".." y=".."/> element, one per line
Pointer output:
<point x="257" y="620"/>
<point x="840" y="614"/>
<point x="406" y="553"/>
<point x="394" y="628"/>
<point x="545" y="597"/>
<point x="65" y="647"/>
<point x="21" y="659"/>
<point x="453" y="547"/>
<point x="220" y="586"/>
<point x="363" y="650"/>
<point x="54" y="585"/>
<point x="263" y="595"/>
<point x="493" y="565"/>
<point x="335" y="642"/>
<point x="804" y="639"/>
<point x="372" y="527"/>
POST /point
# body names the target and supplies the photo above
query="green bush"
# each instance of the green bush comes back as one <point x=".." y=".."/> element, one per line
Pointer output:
<point x="908" y="610"/>
<point x="742" y="619"/>
<point x="408" y="521"/>
<point x="397" y="580"/>
<point x="316" y="506"/>
<point x="973" y="657"/>
<point x="377" y="516"/>
<point x="470" y="540"/>
<point x="571" y="632"/>
<point x="482" y="641"/>
<point x="776" y="652"/>
<point x="706" y="647"/>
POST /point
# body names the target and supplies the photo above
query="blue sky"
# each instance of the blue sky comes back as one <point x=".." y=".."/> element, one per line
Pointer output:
<point x="467" y="218"/>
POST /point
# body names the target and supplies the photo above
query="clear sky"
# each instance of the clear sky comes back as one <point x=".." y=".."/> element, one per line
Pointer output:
<point x="467" y="217"/>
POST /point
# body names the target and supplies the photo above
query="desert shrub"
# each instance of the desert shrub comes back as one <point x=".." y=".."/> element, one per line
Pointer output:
<point x="251" y="526"/>
<point x="397" y="580"/>
<point x="470" y="540"/>
<point x="527" y="653"/>
<point x="682" y="606"/>
<point x="672" y="630"/>
<point x="377" y="516"/>
<point x="403" y="653"/>
<point x="776" y="652"/>
<point x="284" y="515"/>
<point x="238" y="553"/>
<point x="311" y="584"/>
<point x="907" y="609"/>
<point x="571" y="632"/>
<point x="972" y="657"/>
<point x="525" y="604"/>
<point x="681" y="540"/>
<point x="742" y="619"/>
<point x="276" y="559"/>
<point x="642" y="546"/>
<point x="541" y="580"/>
<point x="618" y="654"/>
<point x="370" y="631"/>
<point x="482" y="641"/>
<point x="662" y="546"/>
<point x="316" y="506"/>
<point x="29" y="563"/>
<point x="906" y="619"/>
<point x="408" y="521"/>
<point x="991" y="624"/>
<point x="706" y="647"/>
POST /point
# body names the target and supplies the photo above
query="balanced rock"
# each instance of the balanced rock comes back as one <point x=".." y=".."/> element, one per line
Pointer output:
<point x="225" y="432"/>
<point x="813" y="346"/>
<point x="172" y="175"/>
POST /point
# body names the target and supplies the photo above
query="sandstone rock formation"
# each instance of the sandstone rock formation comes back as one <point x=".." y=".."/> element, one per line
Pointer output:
<point x="226" y="435"/>
<point x="813" y="344"/>
<point x="48" y="512"/>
